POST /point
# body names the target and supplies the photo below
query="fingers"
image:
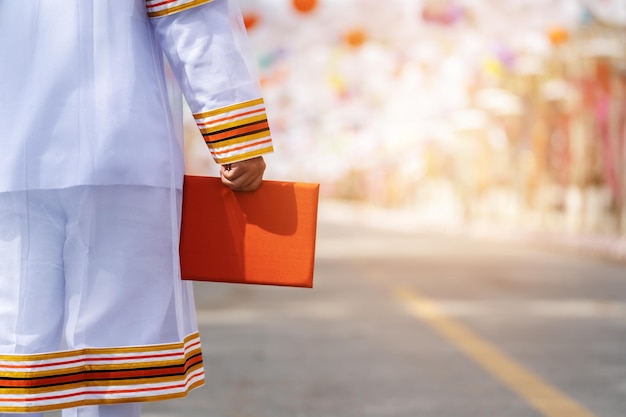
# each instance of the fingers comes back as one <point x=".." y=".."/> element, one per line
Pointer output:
<point x="244" y="175"/>
<point x="244" y="182"/>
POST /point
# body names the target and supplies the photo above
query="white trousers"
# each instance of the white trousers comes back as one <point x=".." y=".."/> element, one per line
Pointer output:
<point x="91" y="267"/>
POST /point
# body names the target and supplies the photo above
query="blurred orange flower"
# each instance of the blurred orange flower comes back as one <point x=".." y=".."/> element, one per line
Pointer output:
<point x="355" y="37"/>
<point x="305" y="6"/>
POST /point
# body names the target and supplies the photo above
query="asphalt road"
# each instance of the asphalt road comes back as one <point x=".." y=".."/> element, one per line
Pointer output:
<point x="410" y="325"/>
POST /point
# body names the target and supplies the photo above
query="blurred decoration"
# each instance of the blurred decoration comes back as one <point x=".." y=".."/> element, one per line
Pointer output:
<point x="335" y="78"/>
<point x="269" y="60"/>
<point x="586" y="17"/>
<point x="603" y="47"/>
<point x="508" y="112"/>
<point x="250" y="19"/>
<point x="558" y="35"/>
<point x="493" y="66"/>
<point x="559" y="90"/>
<point x="505" y="55"/>
<point x="609" y="11"/>
<point x="603" y="74"/>
<point x="498" y="101"/>
<point x="443" y="12"/>
<point x="305" y="6"/>
<point x="355" y="37"/>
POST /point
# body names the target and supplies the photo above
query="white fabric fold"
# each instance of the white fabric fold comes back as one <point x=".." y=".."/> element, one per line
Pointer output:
<point x="208" y="50"/>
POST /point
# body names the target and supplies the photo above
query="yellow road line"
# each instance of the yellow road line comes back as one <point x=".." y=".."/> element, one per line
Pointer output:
<point x="545" y="398"/>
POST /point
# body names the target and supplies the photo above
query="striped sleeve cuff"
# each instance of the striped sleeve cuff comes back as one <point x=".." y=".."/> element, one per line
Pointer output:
<point x="158" y="8"/>
<point x="237" y="132"/>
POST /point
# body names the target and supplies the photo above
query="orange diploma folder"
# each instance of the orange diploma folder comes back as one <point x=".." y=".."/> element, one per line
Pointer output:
<point x="262" y="237"/>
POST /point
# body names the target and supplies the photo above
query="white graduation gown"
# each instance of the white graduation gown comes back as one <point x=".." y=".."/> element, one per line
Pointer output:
<point x="83" y="97"/>
<point x="85" y="101"/>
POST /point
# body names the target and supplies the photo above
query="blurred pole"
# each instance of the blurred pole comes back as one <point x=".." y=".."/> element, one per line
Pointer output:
<point x="621" y="135"/>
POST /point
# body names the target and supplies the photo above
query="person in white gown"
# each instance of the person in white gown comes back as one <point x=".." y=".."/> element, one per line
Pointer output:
<point x="94" y="318"/>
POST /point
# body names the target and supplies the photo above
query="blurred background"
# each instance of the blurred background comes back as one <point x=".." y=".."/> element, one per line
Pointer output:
<point x="464" y="148"/>
<point x="509" y="111"/>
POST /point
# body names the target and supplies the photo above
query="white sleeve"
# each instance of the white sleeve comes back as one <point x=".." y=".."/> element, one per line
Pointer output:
<point x="206" y="45"/>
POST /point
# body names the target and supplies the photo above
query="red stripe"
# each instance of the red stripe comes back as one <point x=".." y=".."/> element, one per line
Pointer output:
<point x="260" y="125"/>
<point x="216" y="153"/>
<point x="261" y="110"/>
<point x="161" y="4"/>
<point x="182" y="369"/>
<point x="108" y="392"/>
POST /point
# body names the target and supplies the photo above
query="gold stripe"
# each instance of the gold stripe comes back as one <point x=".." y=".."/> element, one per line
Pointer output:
<point x="238" y="123"/>
<point x="180" y="8"/>
<point x="545" y="399"/>
<point x="230" y="108"/>
<point x="244" y="156"/>
<point x="238" y="141"/>
<point x="125" y="400"/>
<point x="93" y="367"/>
<point x="99" y="351"/>
<point x="106" y="383"/>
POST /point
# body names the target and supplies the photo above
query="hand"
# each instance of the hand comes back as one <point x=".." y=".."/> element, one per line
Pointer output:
<point x="243" y="175"/>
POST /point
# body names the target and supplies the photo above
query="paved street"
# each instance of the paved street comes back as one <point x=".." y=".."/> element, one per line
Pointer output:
<point x="410" y="325"/>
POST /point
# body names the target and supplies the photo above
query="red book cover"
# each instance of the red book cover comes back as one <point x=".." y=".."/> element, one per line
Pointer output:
<point x="263" y="237"/>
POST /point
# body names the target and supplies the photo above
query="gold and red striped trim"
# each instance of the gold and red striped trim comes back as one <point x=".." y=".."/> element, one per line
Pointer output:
<point x="103" y="401"/>
<point x="159" y="8"/>
<point x="236" y="132"/>
<point x="72" y="376"/>
<point x="44" y="382"/>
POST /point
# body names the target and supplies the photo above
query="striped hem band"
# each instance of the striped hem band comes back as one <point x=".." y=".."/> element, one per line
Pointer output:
<point x="45" y="382"/>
